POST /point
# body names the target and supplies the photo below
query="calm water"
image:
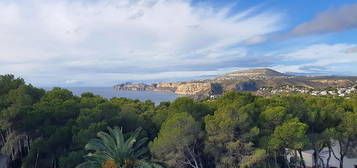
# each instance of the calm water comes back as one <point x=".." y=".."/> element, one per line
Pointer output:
<point x="109" y="92"/>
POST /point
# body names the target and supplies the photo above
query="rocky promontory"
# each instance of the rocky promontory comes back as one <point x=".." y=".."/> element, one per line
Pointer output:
<point x="247" y="80"/>
<point x="182" y="88"/>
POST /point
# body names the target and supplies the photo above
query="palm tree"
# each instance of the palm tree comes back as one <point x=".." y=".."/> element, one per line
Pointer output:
<point x="116" y="150"/>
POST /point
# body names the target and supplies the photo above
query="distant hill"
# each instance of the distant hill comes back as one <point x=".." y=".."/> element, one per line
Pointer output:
<point x="247" y="80"/>
<point x="252" y="74"/>
<point x="254" y="79"/>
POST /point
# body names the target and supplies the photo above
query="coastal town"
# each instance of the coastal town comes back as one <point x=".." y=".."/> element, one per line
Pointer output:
<point x="341" y="92"/>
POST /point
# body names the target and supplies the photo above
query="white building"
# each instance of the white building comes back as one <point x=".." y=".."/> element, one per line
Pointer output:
<point x="323" y="93"/>
<point x="308" y="156"/>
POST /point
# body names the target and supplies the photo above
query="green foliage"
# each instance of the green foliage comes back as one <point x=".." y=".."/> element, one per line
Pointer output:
<point x="50" y="129"/>
<point x="178" y="136"/>
<point x="119" y="150"/>
<point x="354" y="101"/>
<point x="7" y="83"/>
<point x="257" y="158"/>
<point x="346" y="134"/>
<point x="185" y="104"/>
<point x="273" y="117"/>
<point x="230" y="131"/>
<point x="71" y="159"/>
<point x="291" y="134"/>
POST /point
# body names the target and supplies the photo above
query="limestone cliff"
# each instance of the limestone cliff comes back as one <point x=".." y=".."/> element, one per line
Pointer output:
<point x="193" y="88"/>
<point x="182" y="88"/>
<point x="247" y="80"/>
<point x="166" y="87"/>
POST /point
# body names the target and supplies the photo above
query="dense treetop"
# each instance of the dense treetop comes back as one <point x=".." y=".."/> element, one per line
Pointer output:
<point x="51" y="129"/>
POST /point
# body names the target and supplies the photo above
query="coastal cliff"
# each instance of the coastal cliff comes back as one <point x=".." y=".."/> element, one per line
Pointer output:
<point x="255" y="80"/>
<point x="181" y="88"/>
<point x="192" y="88"/>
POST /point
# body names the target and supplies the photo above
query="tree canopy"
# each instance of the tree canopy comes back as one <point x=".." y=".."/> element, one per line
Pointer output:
<point x="57" y="129"/>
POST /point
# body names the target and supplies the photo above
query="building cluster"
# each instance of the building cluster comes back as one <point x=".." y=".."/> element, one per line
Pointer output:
<point x="342" y="92"/>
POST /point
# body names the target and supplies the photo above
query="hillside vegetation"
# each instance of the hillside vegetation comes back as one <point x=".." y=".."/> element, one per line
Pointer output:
<point x="55" y="129"/>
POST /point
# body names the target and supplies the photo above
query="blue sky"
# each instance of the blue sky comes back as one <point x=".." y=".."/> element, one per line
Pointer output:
<point x="104" y="42"/>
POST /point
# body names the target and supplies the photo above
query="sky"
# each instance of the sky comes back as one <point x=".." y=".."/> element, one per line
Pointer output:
<point x="105" y="42"/>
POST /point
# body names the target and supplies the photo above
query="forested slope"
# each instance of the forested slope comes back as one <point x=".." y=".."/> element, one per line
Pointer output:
<point x="50" y="129"/>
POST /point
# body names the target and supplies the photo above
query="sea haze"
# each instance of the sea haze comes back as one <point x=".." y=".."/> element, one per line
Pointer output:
<point x="109" y="92"/>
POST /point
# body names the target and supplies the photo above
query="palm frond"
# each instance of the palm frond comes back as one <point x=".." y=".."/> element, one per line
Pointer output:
<point x="120" y="148"/>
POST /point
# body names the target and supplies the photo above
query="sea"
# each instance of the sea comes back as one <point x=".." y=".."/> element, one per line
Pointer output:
<point x="109" y="92"/>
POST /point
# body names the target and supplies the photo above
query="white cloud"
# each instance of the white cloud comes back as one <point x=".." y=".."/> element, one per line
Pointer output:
<point x="324" y="54"/>
<point x="320" y="58"/>
<point x="255" y="40"/>
<point x="351" y="50"/>
<point x="63" y="40"/>
<point x="288" y="68"/>
<point x="328" y="21"/>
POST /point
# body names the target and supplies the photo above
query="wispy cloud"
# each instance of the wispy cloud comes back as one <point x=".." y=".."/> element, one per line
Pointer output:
<point x="329" y="21"/>
<point x="351" y="50"/>
<point x="255" y="40"/>
<point x="85" y="40"/>
<point x="320" y="59"/>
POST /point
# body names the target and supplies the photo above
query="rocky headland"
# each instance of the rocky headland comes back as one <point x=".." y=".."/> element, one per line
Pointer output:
<point x="260" y="81"/>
